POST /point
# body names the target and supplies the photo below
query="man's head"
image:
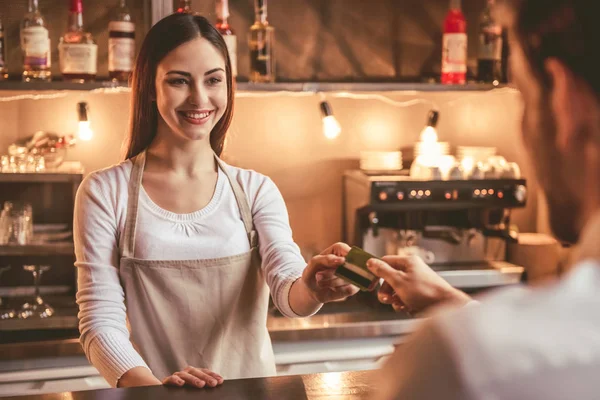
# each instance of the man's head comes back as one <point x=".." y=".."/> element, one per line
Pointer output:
<point x="555" y="65"/>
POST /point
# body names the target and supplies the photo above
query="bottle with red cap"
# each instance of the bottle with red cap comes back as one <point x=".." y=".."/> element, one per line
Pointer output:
<point x="184" y="7"/>
<point x="454" y="46"/>
<point x="77" y="50"/>
<point x="227" y="32"/>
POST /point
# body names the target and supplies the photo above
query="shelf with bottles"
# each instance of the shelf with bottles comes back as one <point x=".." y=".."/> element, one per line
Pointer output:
<point x="77" y="48"/>
<point x="492" y="54"/>
<point x="371" y="86"/>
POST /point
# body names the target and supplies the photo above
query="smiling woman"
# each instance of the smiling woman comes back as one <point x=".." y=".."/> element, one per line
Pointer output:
<point x="168" y="44"/>
<point x="184" y="247"/>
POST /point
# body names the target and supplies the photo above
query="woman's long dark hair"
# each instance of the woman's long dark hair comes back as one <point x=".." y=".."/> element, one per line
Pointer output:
<point x="166" y="35"/>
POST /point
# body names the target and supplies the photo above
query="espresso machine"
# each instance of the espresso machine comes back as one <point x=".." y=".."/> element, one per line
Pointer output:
<point x="460" y="227"/>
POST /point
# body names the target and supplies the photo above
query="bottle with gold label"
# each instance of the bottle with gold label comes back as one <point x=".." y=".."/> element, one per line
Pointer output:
<point x="261" y="41"/>
<point x="77" y="50"/>
<point x="35" y="45"/>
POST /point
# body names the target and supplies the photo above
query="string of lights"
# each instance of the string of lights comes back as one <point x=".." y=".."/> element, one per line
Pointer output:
<point x="331" y="127"/>
<point x="265" y="94"/>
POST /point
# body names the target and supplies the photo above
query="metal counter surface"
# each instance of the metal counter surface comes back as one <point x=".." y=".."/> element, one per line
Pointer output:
<point x="341" y="321"/>
<point x="359" y="324"/>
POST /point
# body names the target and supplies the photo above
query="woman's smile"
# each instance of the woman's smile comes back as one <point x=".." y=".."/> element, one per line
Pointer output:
<point x="196" y="117"/>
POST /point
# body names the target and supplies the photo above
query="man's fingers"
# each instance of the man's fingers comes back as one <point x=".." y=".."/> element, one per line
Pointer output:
<point x="397" y="301"/>
<point x="400" y="307"/>
<point x="401" y="263"/>
<point x="386" y="293"/>
<point x="338" y="249"/>
<point x="383" y="270"/>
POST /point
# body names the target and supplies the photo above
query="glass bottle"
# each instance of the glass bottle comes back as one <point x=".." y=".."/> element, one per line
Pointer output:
<point x="489" y="52"/>
<point x="121" y="44"/>
<point x="229" y="36"/>
<point x="262" y="38"/>
<point x="35" y="45"/>
<point x="185" y="6"/>
<point x="77" y="50"/>
<point x="454" y="46"/>
<point x="3" y="67"/>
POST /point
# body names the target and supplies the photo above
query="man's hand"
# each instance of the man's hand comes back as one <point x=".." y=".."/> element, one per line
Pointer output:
<point x="412" y="285"/>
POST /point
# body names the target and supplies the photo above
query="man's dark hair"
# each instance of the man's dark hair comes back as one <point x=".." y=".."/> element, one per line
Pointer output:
<point x="568" y="30"/>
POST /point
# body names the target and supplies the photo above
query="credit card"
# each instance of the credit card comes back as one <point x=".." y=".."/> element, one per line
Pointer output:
<point x="355" y="270"/>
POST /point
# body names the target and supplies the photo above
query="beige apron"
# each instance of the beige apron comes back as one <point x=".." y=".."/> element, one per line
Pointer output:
<point x="208" y="313"/>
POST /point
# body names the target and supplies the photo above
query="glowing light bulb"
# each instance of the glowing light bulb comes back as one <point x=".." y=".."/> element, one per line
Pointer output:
<point x="85" y="131"/>
<point x="429" y="135"/>
<point x="331" y="126"/>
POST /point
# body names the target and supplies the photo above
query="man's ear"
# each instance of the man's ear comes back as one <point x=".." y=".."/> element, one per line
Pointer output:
<point x="567" y="102"/>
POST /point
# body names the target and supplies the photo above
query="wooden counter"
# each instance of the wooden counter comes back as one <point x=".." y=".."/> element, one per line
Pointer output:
<point x="339" y="386"/>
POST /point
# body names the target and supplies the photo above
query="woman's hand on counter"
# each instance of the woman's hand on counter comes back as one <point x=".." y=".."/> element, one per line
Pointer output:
<point x="411" y="285"/>
<point x="197" y="377"/>
<point x="138" y="376"/>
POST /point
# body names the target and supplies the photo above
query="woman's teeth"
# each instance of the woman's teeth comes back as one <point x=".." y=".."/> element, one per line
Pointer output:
<point x="196" y="115"/>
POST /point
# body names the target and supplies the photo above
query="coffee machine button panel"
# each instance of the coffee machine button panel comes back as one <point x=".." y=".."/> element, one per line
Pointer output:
<point x="496" y="193"/>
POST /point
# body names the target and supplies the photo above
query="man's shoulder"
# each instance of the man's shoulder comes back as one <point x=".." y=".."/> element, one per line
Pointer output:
<point x="521" y="331"/>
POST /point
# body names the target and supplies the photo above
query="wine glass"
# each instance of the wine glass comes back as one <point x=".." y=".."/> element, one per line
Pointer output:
<point x="36" y="307"/>
<point x="5" y="313"/>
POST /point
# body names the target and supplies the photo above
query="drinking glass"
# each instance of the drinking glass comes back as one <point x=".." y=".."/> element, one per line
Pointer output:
<point x="5" y="223"/>
<point x="4" y="163"/>
<point x="36" y="307"/>
<point x="16" y="224"/>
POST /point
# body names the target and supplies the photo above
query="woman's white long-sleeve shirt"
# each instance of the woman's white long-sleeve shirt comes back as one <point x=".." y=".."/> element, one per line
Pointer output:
<point x="214" y="231"/>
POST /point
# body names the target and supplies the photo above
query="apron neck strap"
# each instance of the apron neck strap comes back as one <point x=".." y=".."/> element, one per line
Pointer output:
<point x="242" y="202"/>
<point x="135" y="182"/>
